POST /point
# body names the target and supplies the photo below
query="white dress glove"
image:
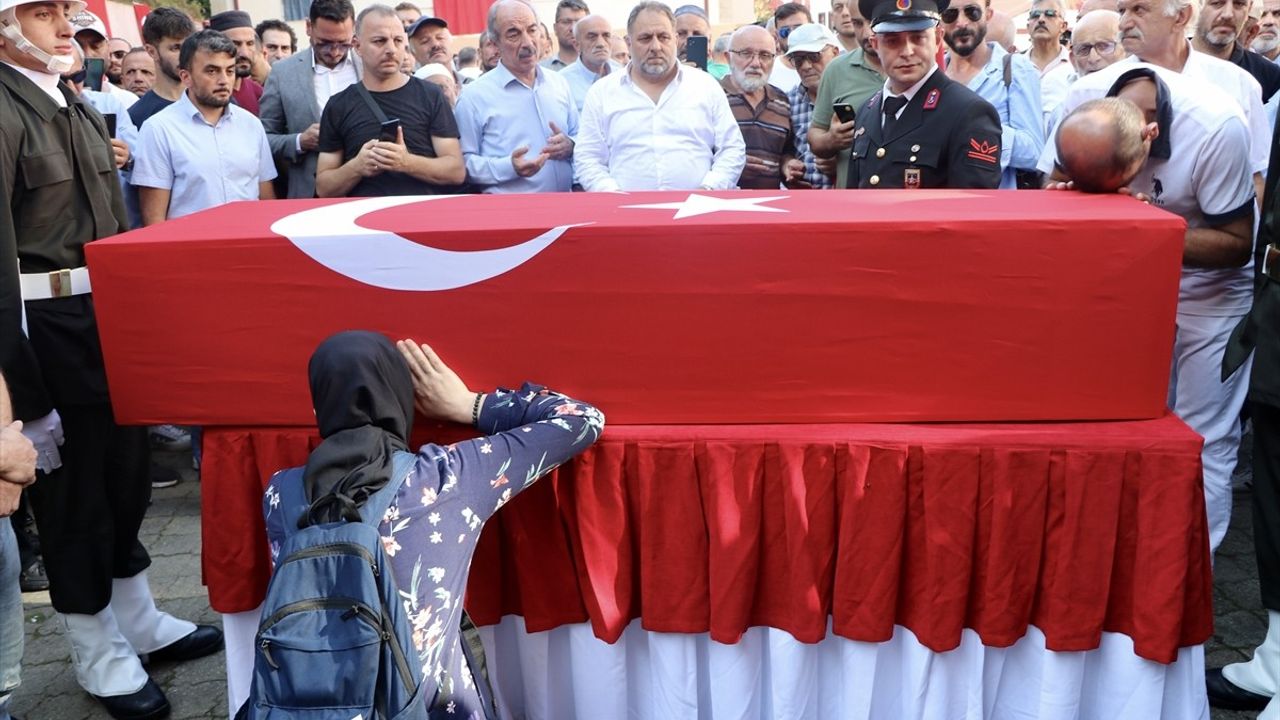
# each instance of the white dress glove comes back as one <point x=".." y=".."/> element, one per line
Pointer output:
<point x="46" y="434"/>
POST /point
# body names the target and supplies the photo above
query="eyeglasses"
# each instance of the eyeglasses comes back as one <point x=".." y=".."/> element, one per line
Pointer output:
<point x="1082" y="50"/>
<point x="1035" y="14"/>
<point x="763" y="56"/>
<point x="326" y="45"/>
<point x="972" y="12"/>
<point x="800" y="58"/>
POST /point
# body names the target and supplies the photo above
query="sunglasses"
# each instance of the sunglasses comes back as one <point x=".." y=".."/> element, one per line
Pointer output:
<point x="972" y="12"/>
<point x="801" y="58"/>
<point x="119" y="54"/>
<point x="783" y="32"/>
<point x="1035" y="14"/>
<point x="77" y="78"/>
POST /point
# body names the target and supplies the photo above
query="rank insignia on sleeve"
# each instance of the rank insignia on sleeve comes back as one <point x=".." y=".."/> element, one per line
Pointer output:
<point x="859" y="131"/>
<point x="911" y="179"/>
<point x="931" y="100"/>
<point x="984" y="151"/>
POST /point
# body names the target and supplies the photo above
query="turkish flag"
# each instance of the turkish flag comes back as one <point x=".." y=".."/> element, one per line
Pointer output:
<point x="678" y="307"/>
<point x="140" y="11"/>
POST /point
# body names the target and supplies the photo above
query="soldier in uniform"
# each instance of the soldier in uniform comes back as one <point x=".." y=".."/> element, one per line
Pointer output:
<point x="60" y="189"/>
<point x="922" y="130"/>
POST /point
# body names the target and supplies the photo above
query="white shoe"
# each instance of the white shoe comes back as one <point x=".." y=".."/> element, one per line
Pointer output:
<point x="170" y="437"/>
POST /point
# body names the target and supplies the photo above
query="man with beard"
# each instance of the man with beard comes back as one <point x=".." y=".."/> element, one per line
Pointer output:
<point x="162" y="36"/>
<point x="594" y="39"/>
<point x="1218" y="33"/>
<point x="568" y="13"/>
<point x="117" y="48"/>
<point x="177" y="172"/>
<point x="690" y="20"/>
<point x="1009" y="82"/>
<point x="762" y="111"/>
<point x="488" y="46"/>
<point x="922" y="130"/>
<point x="518" y="121"/>
<point x="138" y="71"/>
<point x="237" y="26"/>
<point x="660" y="125"/>
<point x="1267" y="42"/>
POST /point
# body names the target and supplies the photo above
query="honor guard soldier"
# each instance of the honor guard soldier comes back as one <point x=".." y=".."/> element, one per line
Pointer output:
<point x="60" y="189"/>
<point x="922" y="130"/>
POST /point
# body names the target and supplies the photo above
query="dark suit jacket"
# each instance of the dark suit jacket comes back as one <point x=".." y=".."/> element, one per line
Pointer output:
<point x="946" y="137"/>
<point x="1259" y="331"/>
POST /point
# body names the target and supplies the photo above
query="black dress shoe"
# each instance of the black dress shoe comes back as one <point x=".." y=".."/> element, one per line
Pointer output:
<point x="204" y="640"/>
<point x="149" y="703"/>
<point x="1224" y="695"/>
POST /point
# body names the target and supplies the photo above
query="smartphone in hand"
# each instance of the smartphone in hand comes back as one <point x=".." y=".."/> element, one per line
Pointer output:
<point x="844" y="111"/>
<point x="111" y="124"/>
<point x="696" y="51"/>
<point x="95" y="69"/>
<point x="390" y="130"/>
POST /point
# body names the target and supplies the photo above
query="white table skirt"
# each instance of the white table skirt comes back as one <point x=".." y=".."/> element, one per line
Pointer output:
<point x="567" y="673"/>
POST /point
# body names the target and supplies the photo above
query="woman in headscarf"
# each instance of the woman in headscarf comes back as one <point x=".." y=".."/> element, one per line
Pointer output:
<point x="364" y="391"/>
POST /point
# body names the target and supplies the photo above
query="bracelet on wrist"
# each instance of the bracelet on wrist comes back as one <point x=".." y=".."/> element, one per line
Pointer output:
<point x="475" y="409"/>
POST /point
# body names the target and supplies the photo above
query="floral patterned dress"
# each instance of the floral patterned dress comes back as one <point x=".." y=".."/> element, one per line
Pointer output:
<point x="431" y="530"/>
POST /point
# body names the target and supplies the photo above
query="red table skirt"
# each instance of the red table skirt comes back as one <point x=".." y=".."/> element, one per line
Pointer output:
<point x="1076" y="528"/>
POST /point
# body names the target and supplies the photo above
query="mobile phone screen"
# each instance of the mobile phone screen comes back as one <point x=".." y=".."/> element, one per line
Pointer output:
<point x="94" y="68"/>
<point x="389" y="129"/>
<point x="696" y="51"/>
<point x="111" y="123"/>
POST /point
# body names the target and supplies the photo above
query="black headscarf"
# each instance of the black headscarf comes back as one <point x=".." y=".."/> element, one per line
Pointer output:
<point x="363" y="396"/>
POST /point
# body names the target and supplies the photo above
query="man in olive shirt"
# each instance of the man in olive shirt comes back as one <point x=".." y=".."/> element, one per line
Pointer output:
<point x="850" y="79"/>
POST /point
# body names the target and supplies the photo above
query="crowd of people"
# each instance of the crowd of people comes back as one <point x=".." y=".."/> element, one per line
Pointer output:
<point x="1172" y="101"/>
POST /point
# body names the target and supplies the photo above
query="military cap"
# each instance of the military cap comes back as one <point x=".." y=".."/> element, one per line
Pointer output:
<point x="888" y="16"/>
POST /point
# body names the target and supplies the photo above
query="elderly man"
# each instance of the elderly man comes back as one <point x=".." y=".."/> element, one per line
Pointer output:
<point x="300" y="87"/>
<point x="1220" y="32"/>
<point x="1095" y="43"/>
<point x="811" y="48"/>
<point x="762" y="111"/>
<point x="1267" y="42"/>
<point x="568" y="14"/>
<point x="1046" y="24"/>
<point x="660" y="125"/>
<point x="594" y="39"/>
<point x="441" y="77"/>
<point x="277" y="40"/>
<point x="848" y="81"/>
<point x="138" y="71"/>
<point x="1153" y="35"/>
<point x="1009" y="82"/>
<point x="848" y="24"/>
<point x="619" y="51"/>
<point x="430" y="41"/>
<point x="518" y="120"/>
<point x="923" y="130"/>
<point x="487" y="44"/>
<point x="690" y="20"/>
<point x="356" y="158"/>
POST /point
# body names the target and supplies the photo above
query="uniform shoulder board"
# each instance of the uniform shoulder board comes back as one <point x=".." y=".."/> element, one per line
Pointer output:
<point x="931" y="100"/>
<point x="875" y="99"/>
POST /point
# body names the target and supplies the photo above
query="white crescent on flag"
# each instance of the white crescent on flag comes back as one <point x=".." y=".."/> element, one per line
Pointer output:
<point x="331" y="236"/>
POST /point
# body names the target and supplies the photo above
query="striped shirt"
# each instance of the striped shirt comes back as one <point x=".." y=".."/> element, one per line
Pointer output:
<point x="766" y="129"/>
<point x="801" y="118"/>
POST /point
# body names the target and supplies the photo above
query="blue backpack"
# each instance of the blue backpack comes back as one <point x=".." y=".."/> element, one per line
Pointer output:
<point x="334" y="642"/>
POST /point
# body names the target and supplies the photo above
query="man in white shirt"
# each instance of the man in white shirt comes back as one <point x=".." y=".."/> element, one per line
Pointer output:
<point x="1153" y="35"/>
<point x="91" y="33"/>
<point x="300" y="86"/>
<point x="659" y="126"/>
<point x="1045" y="24"/>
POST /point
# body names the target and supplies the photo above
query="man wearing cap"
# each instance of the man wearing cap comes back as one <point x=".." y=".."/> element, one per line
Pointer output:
<point x="300" y="86"/>
<point x="441" y="77"/>
<point x="848" y="81"/>
<point x="568" y="13"/>
<point x="1009" y="82"/>
<point x="430" y="41"/>
<point x="922" y="130"/>
<point x="811" y="48"/>
<point x="237" y="26"/>
<point x="594" y="39"/>
<point x="690" y="20"/>
<point x="91" y="33"/>
<point x="62" y="192"/>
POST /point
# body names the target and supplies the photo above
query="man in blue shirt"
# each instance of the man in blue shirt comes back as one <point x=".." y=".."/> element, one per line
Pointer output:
<point x="517" y="121"/>
<point x="1009" y="82"/>
<point x="594" y="39"/>
<point x="202" y="151"/>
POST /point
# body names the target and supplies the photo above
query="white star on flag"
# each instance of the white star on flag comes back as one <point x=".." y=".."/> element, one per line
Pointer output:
<point x="704" y="204"/>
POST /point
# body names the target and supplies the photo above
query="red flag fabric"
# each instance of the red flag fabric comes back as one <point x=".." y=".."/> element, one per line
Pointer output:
<point x="99" y="8"/>
<point x="140" y="11"/>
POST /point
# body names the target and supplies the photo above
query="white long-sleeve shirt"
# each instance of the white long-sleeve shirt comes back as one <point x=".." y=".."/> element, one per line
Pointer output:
<point x="686" y="141"/>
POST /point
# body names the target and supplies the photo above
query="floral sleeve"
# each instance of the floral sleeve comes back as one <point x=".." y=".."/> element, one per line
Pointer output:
<point x="530" y="433"/>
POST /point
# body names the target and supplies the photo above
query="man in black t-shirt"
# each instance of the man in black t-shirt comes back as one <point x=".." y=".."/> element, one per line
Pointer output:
<point x="425" y="157"/>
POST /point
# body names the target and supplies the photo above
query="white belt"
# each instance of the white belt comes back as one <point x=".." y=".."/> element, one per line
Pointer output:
<point x="56" y="284"/>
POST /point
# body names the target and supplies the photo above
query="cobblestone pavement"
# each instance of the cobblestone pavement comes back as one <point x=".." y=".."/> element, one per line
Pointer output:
<point x="197" y="689"/>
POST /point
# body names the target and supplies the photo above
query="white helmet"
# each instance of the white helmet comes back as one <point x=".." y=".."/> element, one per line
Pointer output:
<point x="12" y="31"/>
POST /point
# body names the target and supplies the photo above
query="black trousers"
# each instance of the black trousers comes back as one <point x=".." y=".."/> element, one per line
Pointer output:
<point x="89" y="511"/>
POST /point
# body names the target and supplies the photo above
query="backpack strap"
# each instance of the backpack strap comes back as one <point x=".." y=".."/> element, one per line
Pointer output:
<point x="293" y="499"/>
<point x="1008" y="70"/>
<point x="473" y="652"/>
<point x="376" y="505"/>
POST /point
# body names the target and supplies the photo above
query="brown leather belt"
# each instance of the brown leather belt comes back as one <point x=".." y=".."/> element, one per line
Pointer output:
<point x="1271" y="262"/>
